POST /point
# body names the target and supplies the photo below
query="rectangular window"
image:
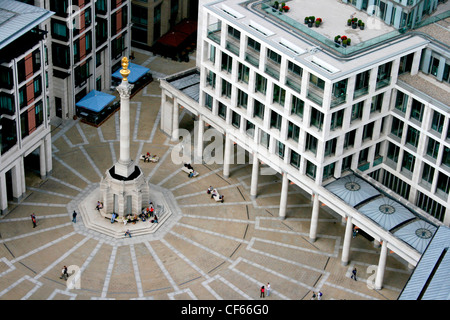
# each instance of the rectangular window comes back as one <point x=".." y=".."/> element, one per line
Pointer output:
<point x="397" y="127"/>
<point x="362" y="84"/>
<point x="330" y="147"/>
<point x="293" y="131"/>
<point x="408" y="162"/>
<point x="401" y="101"/>
<point x="347" y="163"/>
<point x="311" y="169"/>
<point x="234" y="33"/>
<point x="377" y="102"/>
<point x="258" y="109"/>
<point x="368" y="131"/>
<point x="242" y="99"/>
<point x="357" y="110"/>
<point x="222" y="110"/>
<point x="432" y="148"/>
<point x="349" y="139"/>
<point x="437" y="123"/>
<point x="316" y="118"/>
<point x="273" y="56"/>
<point x="427" y="173"/>
<point x="264" y="139"/>
<point x="208" y="101"/>
<point x="446" y="157"/>
<point x="384" y="75"/>
<point x="235" y="119"/>
<point x="412" y="136"/>
<point x="279" y="95"/>
<point x="393" y="152"/>
<point x="295" y="69"/>
<point x="226" y="88"/>
<point x="212" y="54"/>
<point x="328" y="171"/>
<point x="295" y="159"/>
<point x="211" y="79"/>
<point x="311" y="143"/>
<point x="254" y="44"/>
<point x="260" y="84"/>
<point x="443" y="183"/>
<point x="227" y="62"/>
<point x="297" y="106"/>
<point x="417" y="110"/>
<point x="243" y="73"/>
<point x="249" y="128"/>
<point x="337" y="119"/>
<point x="279" y="149"/>
<point x="275" y="120"/>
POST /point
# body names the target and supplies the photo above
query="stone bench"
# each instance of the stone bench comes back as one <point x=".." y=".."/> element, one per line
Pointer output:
<point x="151" y="159"/>
<point x="109" y="216"/>
<point x="188" y="171"/>
<point x="216" y="195"/>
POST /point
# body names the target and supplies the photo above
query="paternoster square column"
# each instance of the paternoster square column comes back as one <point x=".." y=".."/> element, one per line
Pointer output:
<point x="124" y="167"/>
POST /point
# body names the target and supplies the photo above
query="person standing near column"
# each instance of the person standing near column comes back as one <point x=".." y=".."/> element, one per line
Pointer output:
<point x="74" y="217"/>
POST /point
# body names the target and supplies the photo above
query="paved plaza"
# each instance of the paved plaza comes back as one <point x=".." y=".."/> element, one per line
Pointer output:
<point x="209" y="251"/>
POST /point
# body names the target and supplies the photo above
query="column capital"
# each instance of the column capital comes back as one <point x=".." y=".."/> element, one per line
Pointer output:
<point x="124" y="89"/>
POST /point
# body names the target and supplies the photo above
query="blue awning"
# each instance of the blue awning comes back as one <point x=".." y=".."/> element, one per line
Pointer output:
<point x="136" y="72"/>
<point x="95" y="101"/>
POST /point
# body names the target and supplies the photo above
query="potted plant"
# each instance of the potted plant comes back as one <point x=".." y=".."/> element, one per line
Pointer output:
<point x="311" y="21"/>
<point x="344" y="43"/>
<point x="286" y="8"/>
<point x="348" y="41"/>
<point x="354" y="23"/>
<point x="318" y="22"/>
<point x="306" y="20"/>
<point x="349" y="22"/>
<point x="337" y="41"/>
<point x="362" y="26"/>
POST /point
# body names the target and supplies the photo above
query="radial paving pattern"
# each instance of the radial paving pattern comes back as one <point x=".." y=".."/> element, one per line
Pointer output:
<point x="214" y="251"/>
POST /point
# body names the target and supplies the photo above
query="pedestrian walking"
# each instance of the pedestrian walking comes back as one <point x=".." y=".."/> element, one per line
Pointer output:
<point x="268" y="289"/>
<point x="64" y="274"/>
<point x="319" y="296"/>
<point x="74" y="217"/>
<point x="313" y="297"/>
<point x="262" y="292"/>
<point x="33" y="219"/>
<point x="353" y="274"/>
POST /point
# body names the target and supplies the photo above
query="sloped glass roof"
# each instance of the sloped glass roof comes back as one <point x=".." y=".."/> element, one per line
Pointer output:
<point x="417" y="234"/>
<point x="386" y="212"/>
<point x="352" y="190"/>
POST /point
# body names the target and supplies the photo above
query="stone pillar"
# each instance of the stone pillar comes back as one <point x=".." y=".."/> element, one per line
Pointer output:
<point x="347" y="241"/>
<point x="16" y="180"/>
<point x="3" y="194"/>
<point x="175" y="116"/>
<point x="314" y="217"/>
<point x="201" y="129"/>
<point x="48" y="154"/>
<point x="227" y="156"/>
<point x="124" y="166"/>
<point x="255" y="174"/>
<point x="284" y="194"/>
<point x="42" y="162"/>
<point x="381" y="266"/>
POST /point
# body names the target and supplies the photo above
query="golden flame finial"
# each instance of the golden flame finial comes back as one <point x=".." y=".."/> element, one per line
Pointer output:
<point x="125" y="72"/>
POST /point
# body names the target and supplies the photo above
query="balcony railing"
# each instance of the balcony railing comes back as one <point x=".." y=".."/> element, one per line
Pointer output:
<point x="335" y="101"/>
<point x="315" y="94"/>
<point x="294" y="84"/>
<point x="232" y="47"/>
<point x="360" y="92"/>
<point x="214" y="31"/>
<point x="271" y="71"/>
<point x="252" y="59"/>
<point x="383" y="83"/>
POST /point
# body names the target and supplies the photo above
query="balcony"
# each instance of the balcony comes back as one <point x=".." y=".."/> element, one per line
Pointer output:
<point x="214" y="32"/>
<point x="232" y="47"/>
<point x="272" y="71"/>
<point x="315" y="94"/>
<point x="360" y="92"/>
<point x="335" y="101"/>
<point x="381" y="83"/>
<point x="294" y="83"/>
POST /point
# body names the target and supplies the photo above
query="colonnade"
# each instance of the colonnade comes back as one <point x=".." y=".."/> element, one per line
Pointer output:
<point x="316" y="204"/>
<point x="16" y="167"/>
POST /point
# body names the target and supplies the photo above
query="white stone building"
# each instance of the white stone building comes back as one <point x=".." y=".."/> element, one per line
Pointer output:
<point x="317" y="112"/>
